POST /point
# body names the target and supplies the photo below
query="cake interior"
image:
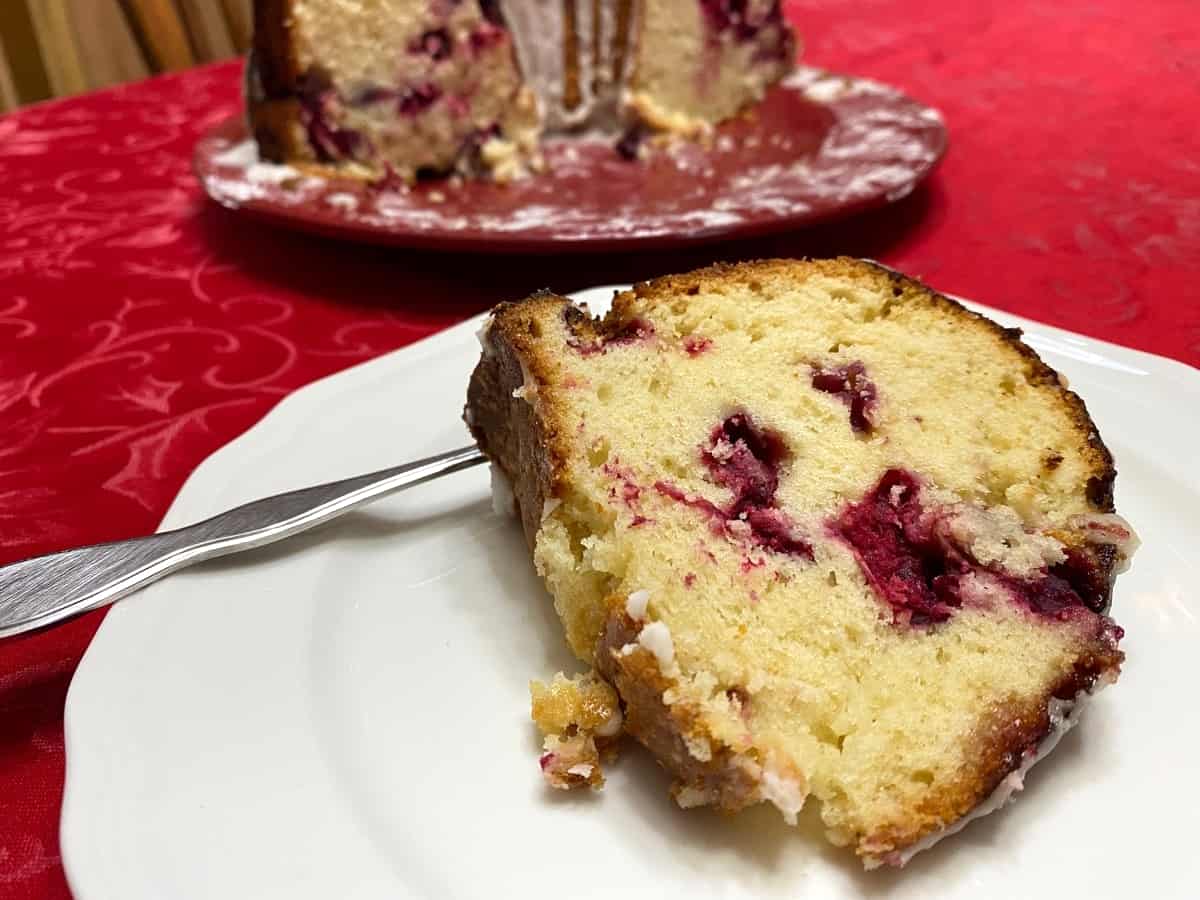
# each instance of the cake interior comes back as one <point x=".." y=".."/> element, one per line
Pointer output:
<point x="706" y="60"/>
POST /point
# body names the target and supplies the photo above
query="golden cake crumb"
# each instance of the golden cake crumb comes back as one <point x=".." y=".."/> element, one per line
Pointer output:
<point x="581" y="720"/>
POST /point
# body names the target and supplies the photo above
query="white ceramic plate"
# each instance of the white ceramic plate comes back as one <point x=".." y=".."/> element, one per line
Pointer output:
<point x="346" y="715"/>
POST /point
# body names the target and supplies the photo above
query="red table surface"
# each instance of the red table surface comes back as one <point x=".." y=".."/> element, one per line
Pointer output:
<point x="142" y="327"/>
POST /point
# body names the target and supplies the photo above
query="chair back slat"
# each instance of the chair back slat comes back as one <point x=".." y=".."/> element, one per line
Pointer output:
<point x="108" y="45"/>
<point x="58" y="47"/>
<point x="239" y="22"/>
<point x="162" y="33"/>
<point x="23" y="55"/>
<point x="206" y="26"/>
<point x="8" y="86"/>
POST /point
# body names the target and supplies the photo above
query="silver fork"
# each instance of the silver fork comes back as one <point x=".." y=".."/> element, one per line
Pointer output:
<point x="46" y="590"/>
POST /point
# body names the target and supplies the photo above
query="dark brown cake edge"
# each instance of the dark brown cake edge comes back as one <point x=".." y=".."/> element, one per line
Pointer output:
<point x="522" y="436"/>
<point x="274" y="54"/>
<point x="273" y="110"/>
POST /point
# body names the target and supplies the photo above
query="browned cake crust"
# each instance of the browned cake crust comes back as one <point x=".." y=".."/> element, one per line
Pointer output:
<point x="529" y="448"/>
<point x="621" y="41"/>
<point x="572" y="92"/>
<point x="274" y="54"/>
<point x="273" y="80"/>
<point x="727" y="781"/>
<point x="525" y="446"/>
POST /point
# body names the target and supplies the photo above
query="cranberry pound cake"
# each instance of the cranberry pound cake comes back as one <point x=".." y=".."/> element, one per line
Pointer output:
<point x="403" y="87"/>
<point x="830" y="537"/>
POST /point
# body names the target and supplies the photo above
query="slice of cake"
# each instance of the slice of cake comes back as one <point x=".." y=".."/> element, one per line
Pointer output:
<point x="405" y="87"/>
<point x="829" y="535"/>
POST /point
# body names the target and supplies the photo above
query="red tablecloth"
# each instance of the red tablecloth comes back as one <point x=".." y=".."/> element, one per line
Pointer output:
<point x="142" y="328"/>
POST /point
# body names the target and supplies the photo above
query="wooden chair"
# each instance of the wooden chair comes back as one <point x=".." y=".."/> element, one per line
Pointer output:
<point x="51" y="48"/>
<point x="8" y="89"/>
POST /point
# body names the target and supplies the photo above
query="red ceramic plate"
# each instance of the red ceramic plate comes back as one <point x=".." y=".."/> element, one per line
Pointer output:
<point x="820" y="146"/>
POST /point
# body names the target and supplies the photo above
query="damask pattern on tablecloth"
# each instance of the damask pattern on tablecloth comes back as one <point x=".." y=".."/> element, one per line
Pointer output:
<point x="126" y="336"/>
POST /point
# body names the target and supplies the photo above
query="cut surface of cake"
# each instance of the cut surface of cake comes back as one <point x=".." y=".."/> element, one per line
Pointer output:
<point x="404" y="87"/>
<point x="697" y="63"/>
<point x="829" y="535"/>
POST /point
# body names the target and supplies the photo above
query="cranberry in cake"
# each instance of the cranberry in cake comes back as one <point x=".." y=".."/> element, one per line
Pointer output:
<point x="832" y="540"/>
<point x="397" y="88"/>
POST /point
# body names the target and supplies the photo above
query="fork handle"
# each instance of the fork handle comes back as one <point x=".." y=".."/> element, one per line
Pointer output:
<point x="46" y="590"/>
